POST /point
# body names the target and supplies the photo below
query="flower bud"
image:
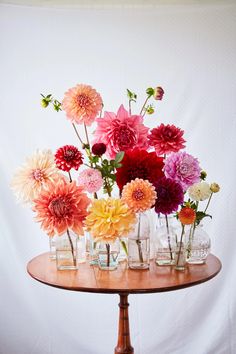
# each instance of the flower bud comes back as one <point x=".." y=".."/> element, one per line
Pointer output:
<point x="150" y="109"/>
<point x="214" y="187"/>
<point x="203" y="175"/>
<point x="99" y="149"/>
<point x="158" y="93"/>
<point x="44" y="103"/>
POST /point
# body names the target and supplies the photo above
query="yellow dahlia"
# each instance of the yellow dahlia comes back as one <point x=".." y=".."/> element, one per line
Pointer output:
<point x="82" y="104"/>
<point x="139" y="195"/>
<point x="109" y="219"/>
<point x="38" y="170"/>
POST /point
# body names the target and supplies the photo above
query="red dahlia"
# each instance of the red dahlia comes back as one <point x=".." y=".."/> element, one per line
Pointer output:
<point x="99" y="149"/>
<point x="169" y="195"/>
<point x="166" y="139"/>
<point x="139" y="163"/>
<point x="68" y="157"/>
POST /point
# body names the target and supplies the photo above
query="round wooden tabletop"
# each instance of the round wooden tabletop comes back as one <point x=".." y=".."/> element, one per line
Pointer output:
<point x="122" y="280"/>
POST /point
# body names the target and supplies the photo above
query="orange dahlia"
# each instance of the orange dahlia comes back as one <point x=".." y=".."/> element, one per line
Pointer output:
<point x="187" y="216"/>
<point x="139" y="195"/>
<point x="61" y="206"/>
<point x="82" y="104"/>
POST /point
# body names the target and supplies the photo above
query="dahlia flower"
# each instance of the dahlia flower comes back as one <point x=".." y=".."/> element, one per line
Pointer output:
<point x="99" y="149"/>
<point x="199" y="191"/>
<point x="38" y="170"/>
<point x="183" y="168"/>
<point x="61" y="206"/>
<point x="91" y="180"/>
<point x="158" y="93"/>
<point x="139" y="164"/>
<point x="139" y="195"/>
<point x="68" y="157"/>
<point x="82" y="104"/>
<point x="121" y="131"/>
<point x="169" y="195"/>
<point x="187" y="216"/>
<point x="109" y="219"/>
<point x="166" y="139"/>
<point x="214" y="187"/>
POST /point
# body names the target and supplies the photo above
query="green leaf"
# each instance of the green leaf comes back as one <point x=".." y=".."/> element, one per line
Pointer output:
<point x="201" y="215"/>
<point x="119" y="156"/>
<point x="150" y="91"/>
<point x="119" y="165"/>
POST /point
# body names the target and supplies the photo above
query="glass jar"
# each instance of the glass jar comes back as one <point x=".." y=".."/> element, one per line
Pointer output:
<point x="180" y="256"/>
<point x="198" y="245"/>
<point x="66" y="251"/>
<point x="139" y="244"/>
<point x="108" y="255"/>
<point x="166" y="240"/>
<point x="52" y="247"/>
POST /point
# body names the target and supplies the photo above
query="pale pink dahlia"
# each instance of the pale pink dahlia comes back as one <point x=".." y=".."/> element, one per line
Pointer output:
<point x="182" y="168"/>
<point x="91" y="180"/>
<point x="166" y="138"/>
<point x="82" y="104"/>
<point x="121" y="132"/>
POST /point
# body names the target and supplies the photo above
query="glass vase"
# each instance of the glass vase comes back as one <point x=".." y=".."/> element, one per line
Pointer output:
<point x="198" y="245"/>
<point x="139" y="244"/>
<point x="52" y="247"/>
<point x="166" y="240"/>
<point x="67" y="251"/>
<point x="81" y="249"/>
<point x="180" y="256"/>
<point x="108" y="255"/>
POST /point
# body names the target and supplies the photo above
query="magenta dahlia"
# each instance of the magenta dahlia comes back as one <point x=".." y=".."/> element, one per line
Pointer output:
<point x="139" y="163"/>
<point x="121" y="131"/>
<point x="68" y="157"/>
<point x="183" y="168"/>
<point x="166" y="139"/>
<point x="169" y="195"/>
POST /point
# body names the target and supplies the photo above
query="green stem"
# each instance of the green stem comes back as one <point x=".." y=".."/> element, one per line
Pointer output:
<point x="138" y="241"/>
<point x="144" y="106"/>
<point x="70" y="176"/>
<point x="76" y="131"/>
<point x="168" y="233"/>
<point x="181" y="238"/>
<point x="86" y="133"/>
<point x="208" y="202"/>
<point x="72" y="247"/>
<point x="130" y="107"/>
<point x="108" y="254"/>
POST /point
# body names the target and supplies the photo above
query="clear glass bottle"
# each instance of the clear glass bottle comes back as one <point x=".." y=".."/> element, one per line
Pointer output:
<point x="52" y="247"/>
<point x="66" y="251"/>
<point x="198" y="245"/>
<point x="166" y="240"/>
<point x="139" y="244"/>
<point x="108" y="255"/>
<point x="180" y="256"/>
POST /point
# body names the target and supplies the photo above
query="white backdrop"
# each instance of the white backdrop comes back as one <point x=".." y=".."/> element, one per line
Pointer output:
<point x="189" y="50"/>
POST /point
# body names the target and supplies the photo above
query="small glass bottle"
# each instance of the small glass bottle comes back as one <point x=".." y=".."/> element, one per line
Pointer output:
<point x="180" y="256"/>
<point x="198" y="245"/>
<point x="66" y="251"/>
<point x="166" y="240"/>
<point x="108" y="255"/>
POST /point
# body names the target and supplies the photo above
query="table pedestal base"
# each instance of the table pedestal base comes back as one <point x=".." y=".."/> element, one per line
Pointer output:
<point x="123" y="344"/>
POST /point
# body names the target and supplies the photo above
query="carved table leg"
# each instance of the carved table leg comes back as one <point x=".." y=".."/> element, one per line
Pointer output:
<point x="123" y="344"/>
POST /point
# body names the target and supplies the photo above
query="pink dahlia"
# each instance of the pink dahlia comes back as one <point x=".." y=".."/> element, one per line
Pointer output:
<point x="183" y="168"/>
<point x="91" y="180"/>
<point x="68" y="157"/>
<point x="166" y="139"/>
<point x="82" y="104"/>
<point x="61" y="206"/>
<point x="169" y="195"/>
<point x="121" y="131"/>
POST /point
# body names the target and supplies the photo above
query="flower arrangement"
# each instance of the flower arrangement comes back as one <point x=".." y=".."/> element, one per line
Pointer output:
<point x="148" y="167"/>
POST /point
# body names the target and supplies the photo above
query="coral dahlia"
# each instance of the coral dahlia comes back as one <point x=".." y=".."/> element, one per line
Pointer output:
<point x="68" y="157"/>
<point x="109" y="219"/>
<point x="61" y="206"/>
<point x="139" y="163"/>
<point x="183" y="168"/>
<point x="166" y="139"/>
<point x="121" y="131"/>
<point x="139" y="195"/>
<point x="38" y="170"/>
<point x="169" y="195"/>
<point x="82" y="104"/>
<point x="187" y="216"/>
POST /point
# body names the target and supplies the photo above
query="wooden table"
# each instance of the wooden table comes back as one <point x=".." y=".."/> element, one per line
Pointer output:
<point x="122" y="281"/>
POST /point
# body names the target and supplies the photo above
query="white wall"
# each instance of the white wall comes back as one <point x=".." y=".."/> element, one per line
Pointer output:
<point x="189" y="50"/>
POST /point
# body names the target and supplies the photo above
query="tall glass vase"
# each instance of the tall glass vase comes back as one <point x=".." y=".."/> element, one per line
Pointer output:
<point x="66" y="251"/>
<point x="166" y="240"/>
<point x="139" y="244"/>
